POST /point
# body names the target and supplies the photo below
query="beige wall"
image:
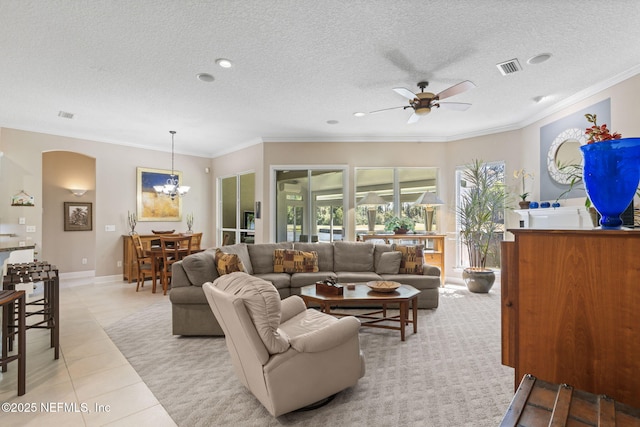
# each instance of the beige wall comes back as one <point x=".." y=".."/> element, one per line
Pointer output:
<point x="64" y="170"/>
<point x="20" y="168"/>
<point x="115" y="191"/>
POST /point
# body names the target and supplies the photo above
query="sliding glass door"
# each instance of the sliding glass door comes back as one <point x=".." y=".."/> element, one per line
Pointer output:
<point x="236" y="203"/>
<point x="309" y="205"/>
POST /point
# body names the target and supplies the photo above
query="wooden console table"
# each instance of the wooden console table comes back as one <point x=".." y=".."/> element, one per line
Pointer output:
<point x="433" y="254"/>
<point x="570" y="304"/>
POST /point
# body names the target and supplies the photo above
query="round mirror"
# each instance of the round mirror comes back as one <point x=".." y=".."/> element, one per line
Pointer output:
<point x="564" y="155"/>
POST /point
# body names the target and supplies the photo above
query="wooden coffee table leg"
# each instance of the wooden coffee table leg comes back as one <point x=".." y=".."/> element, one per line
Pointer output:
<point x="403" y="318"/>
<point x="414" y="307"/>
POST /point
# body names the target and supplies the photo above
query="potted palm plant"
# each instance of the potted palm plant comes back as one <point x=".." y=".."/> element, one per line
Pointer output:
<point x="480" y="213"/>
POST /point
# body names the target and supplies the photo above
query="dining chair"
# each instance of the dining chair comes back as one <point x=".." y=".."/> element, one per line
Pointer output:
<point x="196" y="239"/>
<point x="145" y="264"/>
<point x="174" y="248"/>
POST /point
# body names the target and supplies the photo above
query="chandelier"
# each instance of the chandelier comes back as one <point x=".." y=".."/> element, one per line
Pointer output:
<point x="172" y="188"/>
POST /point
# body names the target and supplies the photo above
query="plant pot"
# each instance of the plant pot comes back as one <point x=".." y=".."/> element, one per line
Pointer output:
<point x="611" y="174"/>
<point x="524" y="204"/>
<point x="478" y="280"/>
<point x="400" y="231"/>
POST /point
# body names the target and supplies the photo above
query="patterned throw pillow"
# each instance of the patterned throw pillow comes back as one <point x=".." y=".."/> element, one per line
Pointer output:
<point x="412" y="259"/>
<point x="292" y="261"/>
<point x="227" y="263"/>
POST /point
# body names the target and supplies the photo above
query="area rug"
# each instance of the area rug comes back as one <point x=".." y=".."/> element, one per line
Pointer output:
<point x="447" y="375"/>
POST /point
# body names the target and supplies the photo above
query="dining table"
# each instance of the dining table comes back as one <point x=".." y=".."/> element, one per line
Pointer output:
<point x="155" y="253"/>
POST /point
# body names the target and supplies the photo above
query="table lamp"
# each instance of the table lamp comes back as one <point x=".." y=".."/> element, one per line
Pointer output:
<point x="428" y="200"/>
<point x="371" y="200"/>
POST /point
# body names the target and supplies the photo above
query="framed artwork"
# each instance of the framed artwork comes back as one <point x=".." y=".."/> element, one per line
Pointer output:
<point x="22" y="199"/>
<point x="249" y="220"/>
<point x="151" y="206"/>
<point x="78" y="216"/>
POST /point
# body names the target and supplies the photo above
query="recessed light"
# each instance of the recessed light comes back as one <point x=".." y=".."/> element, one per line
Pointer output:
<point x="540" y="98"/>
<point x="332" y="122"/>
<point x="359" y="114"/>
<point x="538" y="59"/>
<point x="204" y="77"/>
<point x="224" y="63"/>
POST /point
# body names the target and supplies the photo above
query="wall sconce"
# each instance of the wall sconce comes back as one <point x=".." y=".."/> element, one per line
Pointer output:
<point x="77" y="192"/>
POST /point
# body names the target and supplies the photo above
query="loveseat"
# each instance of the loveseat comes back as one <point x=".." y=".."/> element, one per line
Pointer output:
<point x="349" y="262"/>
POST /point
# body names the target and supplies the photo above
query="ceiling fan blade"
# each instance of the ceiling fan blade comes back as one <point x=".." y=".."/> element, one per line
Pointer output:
<point x="385" y="109"/>
<point x="456" y="89"/>
<point x="414" y="118"/>
<point x="405" y="92"/>
<point x="456" y="106"/>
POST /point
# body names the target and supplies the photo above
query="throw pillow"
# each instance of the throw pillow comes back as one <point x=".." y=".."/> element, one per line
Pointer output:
<point x="292" y="261"/>
<point x="227" y="263"/>
<point x="389" y="263"/>
<point x="412" y="259"/>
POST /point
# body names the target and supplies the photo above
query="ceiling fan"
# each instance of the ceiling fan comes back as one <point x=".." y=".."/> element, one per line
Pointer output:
<point x="423" y="102"/>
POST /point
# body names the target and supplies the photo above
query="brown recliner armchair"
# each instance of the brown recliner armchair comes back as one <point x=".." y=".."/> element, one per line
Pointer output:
<point x="288" y="356"/>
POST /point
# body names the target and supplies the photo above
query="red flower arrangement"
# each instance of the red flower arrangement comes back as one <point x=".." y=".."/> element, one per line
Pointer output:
<point x="598" y="133"/>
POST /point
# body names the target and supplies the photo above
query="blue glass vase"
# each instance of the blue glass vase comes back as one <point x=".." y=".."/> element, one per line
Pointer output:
<point x="611" y="174"/>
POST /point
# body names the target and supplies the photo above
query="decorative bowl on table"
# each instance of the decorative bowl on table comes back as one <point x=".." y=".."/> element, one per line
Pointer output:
<point x="163" y="232"/>
<point x="383" y="285"/>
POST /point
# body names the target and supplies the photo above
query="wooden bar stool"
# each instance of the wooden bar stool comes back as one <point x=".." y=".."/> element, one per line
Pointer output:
<point x="11" y="326"/>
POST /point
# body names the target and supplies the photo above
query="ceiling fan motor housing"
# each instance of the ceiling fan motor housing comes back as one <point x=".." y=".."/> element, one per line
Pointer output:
<point x="422" y="103"/>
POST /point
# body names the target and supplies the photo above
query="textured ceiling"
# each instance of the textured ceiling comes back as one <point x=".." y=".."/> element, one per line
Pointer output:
<point x="127" y="69"/>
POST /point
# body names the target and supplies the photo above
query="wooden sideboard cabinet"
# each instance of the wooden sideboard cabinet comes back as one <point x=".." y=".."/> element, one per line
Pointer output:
<point x="434" y="246"/>
<point x="571" y="309"/>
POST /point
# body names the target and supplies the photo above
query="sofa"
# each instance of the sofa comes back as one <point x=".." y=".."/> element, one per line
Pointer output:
<point x="348" y="262"/>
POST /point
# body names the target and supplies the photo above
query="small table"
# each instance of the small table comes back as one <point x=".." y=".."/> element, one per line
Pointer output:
<point x="405" y="296"/>
<point x="8" y="300"/>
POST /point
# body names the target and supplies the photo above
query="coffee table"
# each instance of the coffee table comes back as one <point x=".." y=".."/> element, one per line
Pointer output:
<point x="405" y="296"/>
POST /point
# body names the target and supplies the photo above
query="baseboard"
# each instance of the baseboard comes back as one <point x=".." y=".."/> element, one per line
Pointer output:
<point x="77" y="274"/>
<point x="79" y="278"/>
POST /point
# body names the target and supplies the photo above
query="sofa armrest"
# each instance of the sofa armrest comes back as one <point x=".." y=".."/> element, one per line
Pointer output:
<point x="179" y="276"/>
<point x="430" y="270"/>
<point x="326" y="338"/>
<point x="290" y="307"/>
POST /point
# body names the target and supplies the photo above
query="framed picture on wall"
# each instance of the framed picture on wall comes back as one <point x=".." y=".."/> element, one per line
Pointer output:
<point x="22" y="199"/>
<point x="78" y="216"/>
<point x="151" y="206"/>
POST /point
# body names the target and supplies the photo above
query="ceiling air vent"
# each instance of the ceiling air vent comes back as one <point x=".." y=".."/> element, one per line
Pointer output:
<point x="509" y="67"/>
<point x="65" y="115"/>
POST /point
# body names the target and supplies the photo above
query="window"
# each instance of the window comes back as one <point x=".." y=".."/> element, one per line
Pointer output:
<point x="236" y="204"/>
<point x="493" y="257"/>
<point x="309" y="204"/>
<point x="400" y="188"/>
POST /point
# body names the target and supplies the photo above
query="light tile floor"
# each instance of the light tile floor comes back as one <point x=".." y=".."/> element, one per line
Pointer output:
<point x="92" y="383"/>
